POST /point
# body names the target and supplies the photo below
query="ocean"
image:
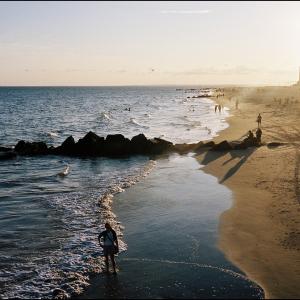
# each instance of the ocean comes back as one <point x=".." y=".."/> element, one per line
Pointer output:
<point x="49" y="223"/>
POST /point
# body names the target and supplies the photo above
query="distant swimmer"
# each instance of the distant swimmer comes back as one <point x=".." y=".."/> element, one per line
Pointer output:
<point x="65" y="172"/>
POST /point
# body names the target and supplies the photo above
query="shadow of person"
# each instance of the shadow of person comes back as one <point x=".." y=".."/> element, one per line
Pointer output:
<point x="111" y="286"/>
<point x="243" y="155"/>
<point x="211" y="156"/>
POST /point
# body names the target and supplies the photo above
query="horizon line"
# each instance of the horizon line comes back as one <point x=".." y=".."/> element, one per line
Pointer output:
<point x="149" y="85"/>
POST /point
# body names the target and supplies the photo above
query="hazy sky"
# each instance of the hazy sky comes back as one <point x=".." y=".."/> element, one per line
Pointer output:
<point x="144" y="43"/>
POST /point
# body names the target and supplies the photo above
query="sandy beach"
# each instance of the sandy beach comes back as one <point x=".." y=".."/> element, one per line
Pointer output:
<point x="260" y="232"/>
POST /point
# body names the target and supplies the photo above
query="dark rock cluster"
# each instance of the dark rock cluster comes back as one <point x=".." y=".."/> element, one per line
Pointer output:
<point x="93" y="145"/>
<point x="116" y="145"/>
<point x="236" y="145"/>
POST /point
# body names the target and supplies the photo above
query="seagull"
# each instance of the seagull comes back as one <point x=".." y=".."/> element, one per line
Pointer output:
<point x="65" y="172"/>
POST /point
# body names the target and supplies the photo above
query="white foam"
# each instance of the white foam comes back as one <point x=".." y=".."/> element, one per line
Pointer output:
<point x="52" y="134"/>
<point x="105" y="116"/>
<point x="133" y="121"/>
<point x="66" y="271"/>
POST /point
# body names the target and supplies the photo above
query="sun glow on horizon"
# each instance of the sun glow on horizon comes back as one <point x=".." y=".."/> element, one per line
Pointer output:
<point x="149" y="43"/>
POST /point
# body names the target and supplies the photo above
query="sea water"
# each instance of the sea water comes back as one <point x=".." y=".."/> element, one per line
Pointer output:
<point x="49" y="223"/>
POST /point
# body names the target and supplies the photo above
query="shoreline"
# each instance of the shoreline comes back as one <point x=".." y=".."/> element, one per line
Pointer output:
<point x="260" y="232"/>
<point x="182" y="206"/>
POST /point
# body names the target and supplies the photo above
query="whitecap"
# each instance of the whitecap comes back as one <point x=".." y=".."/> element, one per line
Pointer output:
<point x="133" y="121"/>
<point x="105" y="116"/>
<point x="52" y="134"/>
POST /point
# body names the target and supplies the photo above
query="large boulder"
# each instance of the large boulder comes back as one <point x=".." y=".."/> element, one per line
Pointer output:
<point x="67" y="147"/>
<point x="222" y="146"/>
<point x="200" y="147"/>
<point x="117" y="145"/>
<point x="90" y="144"/>
<point x="186" y="148"/>
<point x="140" y="144"/>
<point x="20" y="146"/>
<point x="159" y="146"/>
<point x="34" y="148"/>
<point x="116" y="138"/>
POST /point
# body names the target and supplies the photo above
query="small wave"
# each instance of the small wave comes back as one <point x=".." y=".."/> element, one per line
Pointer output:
<point x="133" y="121"/>
<point x="105" y="116"/>
<point x="52" y="134"/>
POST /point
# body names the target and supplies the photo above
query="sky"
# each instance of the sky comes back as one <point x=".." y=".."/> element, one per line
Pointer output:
<point x="149" y="43"/>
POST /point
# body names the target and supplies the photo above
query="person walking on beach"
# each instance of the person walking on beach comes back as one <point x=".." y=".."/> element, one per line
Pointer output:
<point x="110" y="245"/>
<point x="237" y="104"/>
<point x="258" y="120"/>
<point x="216" y="107"/>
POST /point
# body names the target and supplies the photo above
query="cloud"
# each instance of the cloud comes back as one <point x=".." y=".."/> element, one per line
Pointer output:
<point x="203" y="11"/>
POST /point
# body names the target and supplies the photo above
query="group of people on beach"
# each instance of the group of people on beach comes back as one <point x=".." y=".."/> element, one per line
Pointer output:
<point x="257" y="139"/>
<point x="285" y="101"/>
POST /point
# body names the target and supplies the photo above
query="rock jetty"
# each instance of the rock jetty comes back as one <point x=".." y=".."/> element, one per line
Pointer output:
<point x="116" y="145"/>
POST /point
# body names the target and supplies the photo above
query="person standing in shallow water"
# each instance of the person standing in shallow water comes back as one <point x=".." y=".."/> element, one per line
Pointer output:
<point x="110" y="245"/>
<point x="258" y="120"/>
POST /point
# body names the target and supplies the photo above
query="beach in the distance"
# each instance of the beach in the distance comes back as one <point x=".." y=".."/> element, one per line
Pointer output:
<point x="260" y="232"/>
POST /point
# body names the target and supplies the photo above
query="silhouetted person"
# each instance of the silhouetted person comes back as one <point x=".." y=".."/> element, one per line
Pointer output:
<point x="219" y="108"/>
<point x="250" y="135"/>
<point x="216" y="107"/>
<point x="258" y="135"/>
<point x="110" y="245"/>
<point x="237" y="104"/>
<point x="250" y="140"/>
<point x="258" y="120"/>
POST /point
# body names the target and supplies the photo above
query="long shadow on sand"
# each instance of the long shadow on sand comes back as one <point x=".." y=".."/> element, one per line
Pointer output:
<point x="243" y="155"/>
<point x="211" y="156"/>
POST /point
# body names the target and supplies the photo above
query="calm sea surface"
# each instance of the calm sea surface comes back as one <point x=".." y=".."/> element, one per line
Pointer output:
<point x="49" y="224"/>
